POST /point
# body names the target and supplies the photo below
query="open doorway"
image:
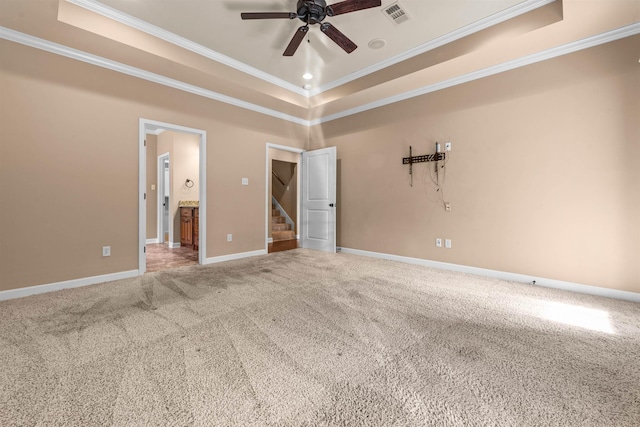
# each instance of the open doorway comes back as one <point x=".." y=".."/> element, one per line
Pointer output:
<point x="173" y="196"/>
<point x="164" y="198"/>
<point x="283" y="198"/>
<point x="316" y="195"/>
<point x="284" y="206"/>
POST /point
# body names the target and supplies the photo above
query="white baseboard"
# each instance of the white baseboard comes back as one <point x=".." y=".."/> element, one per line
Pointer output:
<point x="513" y="277"/>
<point x="77" y="283"/>
<point x="152" y="241"/>
<point x="174" y="245"/>
<point x="232" y="257"/>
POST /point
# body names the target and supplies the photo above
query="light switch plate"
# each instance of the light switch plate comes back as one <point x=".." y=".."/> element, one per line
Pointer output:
<point x="245" y="181"/>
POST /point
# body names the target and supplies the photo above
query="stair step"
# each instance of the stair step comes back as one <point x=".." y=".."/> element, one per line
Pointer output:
<point x="275" y="212"/>
<point x="278" y="220"/>
<point x="280" y="227"/>
<point x="282" y="235"/>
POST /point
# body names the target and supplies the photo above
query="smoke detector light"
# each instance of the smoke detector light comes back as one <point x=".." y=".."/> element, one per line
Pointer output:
<point x="377" y="43"/>
<point x="307" y="76"/>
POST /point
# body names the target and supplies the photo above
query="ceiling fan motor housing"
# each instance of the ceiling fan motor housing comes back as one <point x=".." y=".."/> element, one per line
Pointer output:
<point x="312" y="11"/>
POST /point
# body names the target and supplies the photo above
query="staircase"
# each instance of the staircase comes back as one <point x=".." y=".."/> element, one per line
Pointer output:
<point x="284" y="238"/>
<point x="280" y="230"/>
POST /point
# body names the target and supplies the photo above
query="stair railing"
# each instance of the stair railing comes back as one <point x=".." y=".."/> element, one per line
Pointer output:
<point x="277" y="177"/>
<point x="286" y="216"/>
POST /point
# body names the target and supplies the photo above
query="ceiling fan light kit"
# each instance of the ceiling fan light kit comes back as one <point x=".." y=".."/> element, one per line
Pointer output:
<point x="313" y="12"/>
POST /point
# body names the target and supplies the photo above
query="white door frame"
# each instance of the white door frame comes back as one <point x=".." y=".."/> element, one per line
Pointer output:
<point x="161" y="187"/>
<point x="267" y="201"/>
<point x="145" y="124"/>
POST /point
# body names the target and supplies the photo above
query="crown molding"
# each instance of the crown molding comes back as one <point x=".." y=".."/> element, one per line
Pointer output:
<point x="139" y="24"/>
<point x="474" y="27"/>
<point x="609" y="36"/>
<point x="168" y="36"/>
<point x="35" y="42"/>
<point x="58" y="49"/>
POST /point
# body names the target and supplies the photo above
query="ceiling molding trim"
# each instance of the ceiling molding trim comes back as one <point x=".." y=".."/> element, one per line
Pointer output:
<point x="58" y="49"/>
<point x="495" y="19"/>
<point x="138" y="24"/>
<point x="609" y="36"/>
<point x="35" y="42"/>
<point x="168" y="36"/>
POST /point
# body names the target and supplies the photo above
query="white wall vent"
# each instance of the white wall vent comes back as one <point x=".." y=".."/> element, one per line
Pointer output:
<point x="396" y="13"/>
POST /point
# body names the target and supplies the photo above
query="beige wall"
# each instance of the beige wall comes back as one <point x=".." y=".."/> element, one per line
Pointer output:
<point x="152" y="187"/>
<point x="69" y="136"/>
<point x="543" y="179"/>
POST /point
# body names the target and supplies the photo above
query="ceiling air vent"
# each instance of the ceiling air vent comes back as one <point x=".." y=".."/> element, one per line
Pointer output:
<point x="396" y="13"/>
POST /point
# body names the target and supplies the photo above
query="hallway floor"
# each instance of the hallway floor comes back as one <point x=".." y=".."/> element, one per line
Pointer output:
<point x="161" y="257"/>
<point x="283" y="245"/>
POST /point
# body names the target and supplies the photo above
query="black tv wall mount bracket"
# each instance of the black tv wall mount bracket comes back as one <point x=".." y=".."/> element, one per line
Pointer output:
<point x="435" y="157"/>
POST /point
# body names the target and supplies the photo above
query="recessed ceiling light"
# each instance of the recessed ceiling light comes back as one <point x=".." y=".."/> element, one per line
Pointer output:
<point x="307" y="76"/>
<point x="377" y="43"/>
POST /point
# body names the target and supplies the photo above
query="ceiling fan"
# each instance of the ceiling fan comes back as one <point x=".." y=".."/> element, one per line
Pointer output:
<point x="313" y="12"/>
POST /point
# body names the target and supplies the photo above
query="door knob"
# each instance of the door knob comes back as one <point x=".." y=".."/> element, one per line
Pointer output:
<point x="331" y="205"/>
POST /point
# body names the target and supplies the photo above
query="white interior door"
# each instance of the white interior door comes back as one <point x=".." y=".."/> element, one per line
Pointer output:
<point x="319" y="199"/>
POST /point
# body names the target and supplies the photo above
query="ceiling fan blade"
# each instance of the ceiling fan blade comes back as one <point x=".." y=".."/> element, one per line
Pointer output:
<point x="341" y="40"/>
<point x="351" y="6"/>
<point x="295" y="41"/>
<point x="268" y="15"/>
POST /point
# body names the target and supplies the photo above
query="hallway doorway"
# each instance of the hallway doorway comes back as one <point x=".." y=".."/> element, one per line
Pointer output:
<point x="172" y="175"/>
<point x="284" y="206"/>
<point x="283" y="179"/>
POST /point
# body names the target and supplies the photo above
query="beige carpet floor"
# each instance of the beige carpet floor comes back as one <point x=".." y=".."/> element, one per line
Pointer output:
<point x="303" y="338"/>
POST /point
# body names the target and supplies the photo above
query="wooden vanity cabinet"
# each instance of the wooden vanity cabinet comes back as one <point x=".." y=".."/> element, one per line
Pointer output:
<point x="196" y="229"/>
<point x="189" y="219"/>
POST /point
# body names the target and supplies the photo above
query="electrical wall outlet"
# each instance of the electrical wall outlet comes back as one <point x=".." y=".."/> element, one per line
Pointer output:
<point x="245" y="181"/>
<point x="447" y="206"/>
<point x="447" y="146"/>
<point x="106" y="251"/>
<point x="438" y="242"/>
<point x="447" y="243"/>
<point x="229" y="237"/>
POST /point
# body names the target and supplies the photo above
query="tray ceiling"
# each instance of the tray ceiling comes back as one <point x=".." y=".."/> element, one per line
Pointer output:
<point x="216" y="25"/>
